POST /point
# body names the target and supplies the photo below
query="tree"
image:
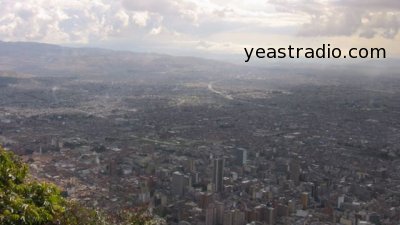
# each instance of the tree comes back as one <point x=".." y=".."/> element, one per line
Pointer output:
<point x="25" y="202"/>
<point x="76" y="214"/>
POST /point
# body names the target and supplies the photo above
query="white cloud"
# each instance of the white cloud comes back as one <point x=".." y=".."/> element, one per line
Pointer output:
<point x="86" y="20"/>
<point x="156" y="31"/>
<point x="123" y="17"/>
<point x="62" y="21"/>
<point x="140" y="18"/>
<point x="206" y="25"/>
<point x="345" y="17"/>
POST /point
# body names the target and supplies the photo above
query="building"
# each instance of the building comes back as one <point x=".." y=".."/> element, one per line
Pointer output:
<point x="240" y="155"/>
<point x="220" y="212"/>
<point x="211" y="215"/>
<point x="270" y="216"/>
<point x="282" y="210"/>
<point x="205" y="199"/>
<point x="340" y="201"/>
<point x="228" y="217"/>
<point x="291" y="207"/>
<point x="179" y="183"/>
<point x="218" y="174"/>
<point x="294" y="171"/>
<point x="304" y="200"/>
<point x="238" y="218"/>
<point x="261" y="213"/>
<point x="315" y="192"/>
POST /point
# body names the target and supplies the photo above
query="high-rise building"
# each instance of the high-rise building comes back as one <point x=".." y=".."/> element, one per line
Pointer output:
<point x="211" y="215"/>
<point x="190" y="166"/>
<point x="234" y="217"/>
<point x="291" y="206"/>
<point x="220" y="212"/>
<point x="270" y="216"/>
<point x="178" y="183"/>
<point x="218" y="174"/>
<point x="228" y="217"/>
<point x="294" y="171"/>
<point x="304" y="200"/>
<point x="240" y="155"/>
<point x="111" y="168"/>
<point x="238" y="218"/>
<point x="315" y="192"/>
<point x="195" y="177"/>
<point x="340" y="201"/>
<point x="282" y="210"/>
<point x="261" y="212"/>
<point x="144" y="194"/>
<point x="205" y="199"/>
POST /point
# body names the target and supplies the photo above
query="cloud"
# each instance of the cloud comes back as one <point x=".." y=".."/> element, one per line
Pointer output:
<point x="371" y="4"/>
<point x="84" y="21"/>
<point x="368" y="34"/>
<point x="207" y="25"/>
<point x="69" y="21"/>
<point x="156" y="31"/>
<point x="123" y="18"/>
<point x="141" y="18"/>
<point x="366" y="19"/>
<point x="174" y="13"/>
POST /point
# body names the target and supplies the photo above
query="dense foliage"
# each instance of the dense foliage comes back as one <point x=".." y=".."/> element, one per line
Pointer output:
<point x="24" y="202"/>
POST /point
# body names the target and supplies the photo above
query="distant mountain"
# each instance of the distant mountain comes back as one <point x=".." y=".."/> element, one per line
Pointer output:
<point x="53" y="60"/>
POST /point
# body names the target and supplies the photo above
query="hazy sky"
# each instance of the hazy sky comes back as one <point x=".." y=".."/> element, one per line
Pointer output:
<point x="209" y="27"/>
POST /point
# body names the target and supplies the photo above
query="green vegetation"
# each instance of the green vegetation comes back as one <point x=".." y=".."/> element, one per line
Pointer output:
<point x="23" y="202"/>
<point x="26" y="202"/>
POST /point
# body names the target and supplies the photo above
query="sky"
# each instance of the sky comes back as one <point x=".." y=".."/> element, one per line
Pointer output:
<point x="203" y="27"/>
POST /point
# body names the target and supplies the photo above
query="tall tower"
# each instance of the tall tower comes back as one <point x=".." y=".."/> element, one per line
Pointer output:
<point x="220" y="212"/>
<point x="211" y="215"/>
<point x="240" y="156"/>
<point x="218" y="174"/>
<point x="238" y="218"/>
<point x="294" y="171"/>
<point x="270" y="216"/>
<point x="304" y="200"/>
<point x="178" y="183"/>
<point x="228" y="217"/>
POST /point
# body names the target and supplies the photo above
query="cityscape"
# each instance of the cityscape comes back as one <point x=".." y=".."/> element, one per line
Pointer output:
<point x="204" y="142"/>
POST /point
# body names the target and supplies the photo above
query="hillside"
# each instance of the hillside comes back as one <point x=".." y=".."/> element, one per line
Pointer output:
<point x="54" y="60"/>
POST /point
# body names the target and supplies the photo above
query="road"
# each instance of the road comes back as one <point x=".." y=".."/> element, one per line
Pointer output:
<point x="211" y="88"/>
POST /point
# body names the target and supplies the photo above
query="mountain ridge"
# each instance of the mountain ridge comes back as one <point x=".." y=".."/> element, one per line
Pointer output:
<point x="54" y="60"/>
